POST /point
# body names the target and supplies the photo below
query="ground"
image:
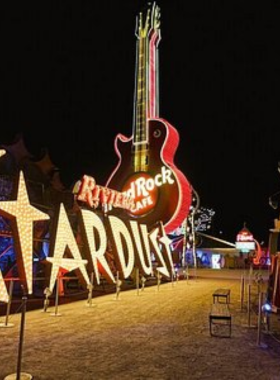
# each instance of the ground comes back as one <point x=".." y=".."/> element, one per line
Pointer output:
<point x="160" y="333"/>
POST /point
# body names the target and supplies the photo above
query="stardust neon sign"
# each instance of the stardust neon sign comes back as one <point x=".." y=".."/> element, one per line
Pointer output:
<point x="131" y="243"/>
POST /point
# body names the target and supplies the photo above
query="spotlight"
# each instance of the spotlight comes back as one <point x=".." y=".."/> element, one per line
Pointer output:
<point x="266" y="307"/>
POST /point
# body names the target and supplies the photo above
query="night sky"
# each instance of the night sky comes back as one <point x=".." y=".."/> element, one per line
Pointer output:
<point x="67" y="84"/>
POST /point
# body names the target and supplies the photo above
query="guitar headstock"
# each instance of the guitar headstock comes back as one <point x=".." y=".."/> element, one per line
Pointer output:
<point x="155" y="18"/>
<point x="150" y="19"/>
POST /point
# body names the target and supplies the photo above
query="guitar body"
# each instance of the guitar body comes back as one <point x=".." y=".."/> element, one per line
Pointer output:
<point x="161" y="191"/>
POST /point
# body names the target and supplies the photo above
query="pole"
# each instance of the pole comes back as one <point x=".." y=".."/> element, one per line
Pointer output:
<point x="9" y="302"/>
<point x="193" y="243"/>
<point x="90" y="288"/>
<point x="242" y="292"/>
<point x="249" y="305"/>
<point x="20" y="375"/>
<point x="56" y="314"/>
<point x="196" y="207"/>
<point x="118" y="286"/>
<point x="184" y="247"/>
<point x="6" y="323"/>
<point x="143" y="280"/>
<point x="259" y="318"/>
<point x="137" y="281"/>
<point x="24" y="300"/>
<point x="158" y="279"/>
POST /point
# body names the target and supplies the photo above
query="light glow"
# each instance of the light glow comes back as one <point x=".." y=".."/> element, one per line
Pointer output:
<point x="123" y="253"/>
<point x="162" y="267"/>
<point x="143" y="256"/>
<point x="90" y="222"/>
<point x="65" y="239"/>
<point x="22" y="216"/>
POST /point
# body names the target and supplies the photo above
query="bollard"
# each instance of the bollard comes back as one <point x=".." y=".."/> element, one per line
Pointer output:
<point x="242" y="293"/>
<point x="20" y="375"/>
<point x="118" y="286"/>
<point x="158" y="280"/>
<point x="56" y="313"/>
<point x="89" y="300"/>
<point x="143" y="280"/>
<point x="249" y="306"/>
<point x="6" y="323"/>
<point x="90" y="287"/>
<point x="260" y="315"/>
<point x="137" y="281"/>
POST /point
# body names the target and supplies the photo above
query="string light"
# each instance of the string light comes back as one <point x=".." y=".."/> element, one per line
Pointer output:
<point x="22" y="216"/>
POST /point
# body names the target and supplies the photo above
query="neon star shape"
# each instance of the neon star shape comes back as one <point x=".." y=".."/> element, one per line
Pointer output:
<point x="65" y="238"/>
<point x="22" y="216"/>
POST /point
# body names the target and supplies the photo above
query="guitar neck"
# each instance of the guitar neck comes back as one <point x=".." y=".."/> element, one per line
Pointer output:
<point x="146" y="86"/>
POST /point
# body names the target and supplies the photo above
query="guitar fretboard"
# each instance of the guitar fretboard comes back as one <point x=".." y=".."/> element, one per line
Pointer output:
<point x="146" y="85"/>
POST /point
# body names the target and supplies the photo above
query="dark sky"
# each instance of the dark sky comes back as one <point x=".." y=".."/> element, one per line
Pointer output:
<point x="67" y="83"/>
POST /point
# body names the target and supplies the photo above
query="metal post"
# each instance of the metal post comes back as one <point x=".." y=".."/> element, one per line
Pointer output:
<point x="194" y="245"/>
<point x="158" y="280"/>
<point x="56" y="314"/>
<point x="118" y="286"/>
<point x="90" y="288"/>
<point x="20" y="375"/>
<point x="137" y="281"/>
<point x="184" y="247"/>
<point x="260" y="316"/>
<point x="6" y="323"/>
<point x="242" y="292"/>
<point x="249" y="305"/>
<point x="196" y="207"/>
<point x="9" y="301"/>
<point x="143" y="280"/>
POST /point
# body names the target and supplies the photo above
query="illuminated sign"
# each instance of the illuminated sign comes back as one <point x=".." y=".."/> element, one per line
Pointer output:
<point x="131" y="243"/>
<point x="144" y="189"/>
<point x="244" y="237"/>
<point x="245" y="246"/>
<point x="245" y="240"/>
<point x="22" y="216"/>
<point x="65" y="242"/>
<point x="87" y="191"/>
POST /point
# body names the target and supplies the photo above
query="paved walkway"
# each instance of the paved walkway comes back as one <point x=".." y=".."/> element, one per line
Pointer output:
<point x="161" y="333"/>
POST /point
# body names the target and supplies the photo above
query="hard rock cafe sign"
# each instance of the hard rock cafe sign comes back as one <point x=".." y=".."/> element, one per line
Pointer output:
<point x="139" y="195"/>
<point x="144" y="189"/>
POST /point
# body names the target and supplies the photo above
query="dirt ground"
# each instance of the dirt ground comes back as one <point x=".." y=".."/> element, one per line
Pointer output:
<point x="160" y="333"/>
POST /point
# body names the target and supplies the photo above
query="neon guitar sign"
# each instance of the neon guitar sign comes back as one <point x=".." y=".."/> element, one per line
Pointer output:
<point x="146" y="169"/>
